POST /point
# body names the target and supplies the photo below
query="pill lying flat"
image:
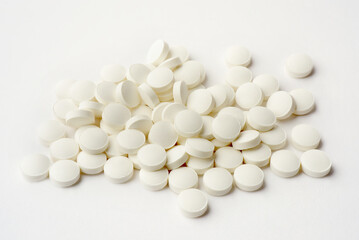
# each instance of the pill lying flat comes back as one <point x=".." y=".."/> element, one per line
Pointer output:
<point x="64" y="148"/>
<point x="64" y="173"/>
<point x="130" y="140"/>
<point x="35" y="167"/>
<point x="305" y="137"/>
<point x="225" y="128"/>
<point x="248" y="177"/>
<point x="91" y="163"/>
<point x="284" y="163"/>
<point x="228" y="158"/>
<point x="200" y="165"/>
<point x="193" y="202"/>
<point x="154" y="180"/>
<point x="188" y="123"/>
<point x="113" y="73"/>
<point x="164" y="134"/>
<point x="118" y="169"/>
<point x="201" y="101"/>
<point x="276" y="138"/>
<point x="176" y="157"/>
<point x="182" y="178"/>
<point x="51" y="131"/>
<point x="281" y="104"/>
<point x="258" y="156"/>
<point x="267" y="83"/>
<point x="246" y="140"/>
<point x="238" y="75"/>
<point x="261" y="118"/>
<point x="304" y="101"/>
<point x="238" y="56"/>
<point x="217" y="181"/>
<point x="299" y="65"/>
<point x="93" y="140"/>
<point x="315" y="163"/>
<point x="152" y="157"/>
<point x="249" y="95"/>
<point x="198" y="147"/>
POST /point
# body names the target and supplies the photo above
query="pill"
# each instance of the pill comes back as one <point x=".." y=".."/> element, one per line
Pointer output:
<point x="64" y="173"/>
<point x="231" y="95"/>
<point x="247" y="139"/>
<point x="160" y="79"/>
<point x="166" y="96"/>
<point x="78" y="118"/>
<point x="82" y="91"/>
<point x="113" y="149"/>
<point x="206" y="131"/>
<point x="267" y="83"/>
<point x="80" y="130"/>
<point x="182" y="178"/>
<point x="135" y="161"/>
<point x="116" y="115"/>
<point x="157" y="111"/>
<point x="238" y="56"/>
<point x="109" y="130"/>
<point x="64" y="148"/>
<point x="200" y="165"/>
<point x="142" y="110"/>
<point x="35" y="167"/>
<point x="315" y="163"/>
<point x="258" y="155"/>
<point x="219" y="144"/>
<point x="113" y="73"/>
<point x="305" y="137"/>
<point x="190" y="73"/>
<point x="236" y="113"/>
<point x="51" y="131"/>
<point x="238" y="76"/>
<point x="95" y="107"/>
<point x="152" y="157"/>
<point x="199" y="147"/>
<point x="157" y="52"/>
<point x="154" y="180"/>
<point x="201" y="101"/>
<point x="219" y="95"/>
<point x="62" y="88"/>
<point x="228" y="158"/>
<point x="249" y="95"/>
<point x="130" y="140"/>
<point x="138" y="73"/>
<point x="217" y="181"/>
<point x="261" y="118"/>
<point x="248" y="177"/>
<point x="188" y="123"/>
<point x="176" y="157"/>
<point x="118" y="169"/>
<point x="275" y="138"/>
<point x="171" y="63"/>
<point x="170" y="111"/>
<point x="140" y="122"/>
<point x="164" y="134"/>
<point x="179" y="51"/>
<point x="148" y="96"/>
<point x="281" y="104"/>
<point x="299" y="65"/>
<point x="127" y="94"/>
<point x="62" y="107"/>
<point x="181" y="140"/>
<point x="284" y="163"/>
<point x="193" y="202"/>
<point x="225" y="128"/>
<point x="93" y="140"/>
<point x="91" y="163"/>
<point x="180" y="92"/>
<point x="304" y="101"/>
<point x="105" y="92"/>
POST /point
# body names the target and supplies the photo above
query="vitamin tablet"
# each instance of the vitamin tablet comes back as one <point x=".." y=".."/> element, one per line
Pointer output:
<point x="191" y="72"/>
<point x="281" y="104"/>
<point x="176" y="157"/>
<point x="148" y="96"/>
<point x="275" y="138"/>
<point x="35" y="167"/>
<point x="225" y="128"/>
<point x="154" y="180"/>
<point x="62" y="107"/>
<point x="51" y="131"/>
<point x="64" y="173"/>
<point x="64" y="148"/>
<point x="78" y="118"/>
<point x="284" y="163"/>
<point x="193" y="202"/>
<point x="105" y="92"/>
<point x="258" y="156"/>
<point x="231" y="95"/>
<point x="93" y="140"/>
<point x="261" y="118"/>
<point x="180" y="92"/>
<point x="135" y="161"/>
<point x="246" y="140"/>
<point x="171" y="63"/>
<point x="109" y="130"/>
<point x="113" y="149"/>
<point x="305" y="137"/>
<point x="164" y="134"/>
<point x="188" y="123"/>
<point x="207" y="128"/>
<point x="201" y="101"/>
<point x="115" y="115"/>
<point x="267" y="83"/>
<point x="219" y="95"/>
<point x="219" y="144"/>
<point x="236" y="113"/>
<point x="238" y="56"/>
<point x="152" y="157"/>
<point x="130" y="140"/>
<point x="160" y="79"/>
<point x="142" y="110"/>
<point x="228" y="158"/>
<point x="170" y="111"/>
<point x="249" y="95"/>
<point x="166" y="96"/>
<point x="127" y="94"/>
<point x="299" y="65"/>
<point x="140" y="122"/>
<point x="179" y="51"/>
<point x="157" y="52"/>
<point x="138" y="73"/>
<point x="238" y="76"/>
<point x="82" y="91"/>
<point x="157" y="111"/>
<point x="304" y="101"/>
<point x="315" y="163"/>
<point x="248" y="177"/>
<point x="95" y="107"/>
<point x="182" y="178"/>
<point x="80" y="130"/>
<point x="62" y="88"/>
<point x="91" y="163"/>
<point x="118" y="169"/>
<point x="217" y="181"/>
<point x="199" y="147"/>
<point x="113" y="73"/>
<point x="200" y="165"/>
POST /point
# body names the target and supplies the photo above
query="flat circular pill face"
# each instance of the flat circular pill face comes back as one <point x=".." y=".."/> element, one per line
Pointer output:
<point x="164" y="134"/>
<point x="113" y="149"/>
<point x="35" y="167"/>
<point x="62" y="88"/>
<point x="157" y="52"/>
<point x="140" y="122"/>
<point x="118" y="169"/>
<point x="188" y="123"/>
<point x="299" y="65"/>
<point x="234" y="112"/>
<point x="193" y="202"/>
<point x="95" y="107"/>
<point x="258" y="156"/>
<point x="93" y="140"/>
<point x="247" y="139"/>
<point x="116" y="115"/>
<point x="171" y="63"/>
<point x="127" y="94"/>
<point x="179" y="51"/>
<point x="142" y="110"/>
<point x="109" y="130"/>
<point x="304" y="101"/>
<point x="160" y="79"/>
<point x="199" y="147"/>
<point x="176" y="157"/>
<point x="105" y="92"/>
<point x="267" y="83"/>
<point x="206" y="131"/>
<point x="249" y="95"/>
<point x="170" y="111"/>
<point x="130" y="140"/>
<point x="305" y="137"/>
<point x="182" y="178"/>
<point x="113" y="73"/>
<point x="281" y="104"/>
<point x="62" y="107"/>
<point x="238" y="56"/>
<point x="78" y="118"/>
<point x="217" y="181"/>
<point x="82" y="91"/>
<point x="138" y="73"/>
<point x="152" y="157"/>
<point x="148" y="96"/>
<point x="275" y="138"/>
<point x="200" y="165"/>
<point x="190" y="73"/>
<point x="64" y="148"/>
<point x="157" y="111"/>
<point x="248" y="177"/>
<point x="80" y="130"/>
<point x="228" y="158"/>
<point x="261" y="118"/>
<point x="284" y="163"/>
<point x="315" y="163"/>
<point x="238" y="75"/>
<point x="51" y="131"/>
<point x="134" y="159"/>
<point x="180" y="92"/>
<point x="225" y="128"/>
<point x="219" y="144"/>
<point x="201" y="101"/>
<point x="64" y="173"/>
<point x="91" y="163"/>
<point x="154" y="180"/>
<point x="219" y="95"/>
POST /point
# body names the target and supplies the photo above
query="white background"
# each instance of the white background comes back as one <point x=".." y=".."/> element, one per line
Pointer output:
<point x="42" y="42"/>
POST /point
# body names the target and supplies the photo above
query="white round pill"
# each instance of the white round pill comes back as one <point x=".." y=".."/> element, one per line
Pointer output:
<point x="138" y="73"/>
<point x="64" y="148"/>
<point x="80" y="130"/>
<point x="267" y="83"/>
<point x="228" y="158"/>
<point x="116" y="115"/>
<point x="113" y="149"/>
<point x="299" y="65"/>
<point x="154" y="180"/>
<point x="219" y="94"/>
<point x="193" y="202"/>
<point x="35" y="167"/>
<point x="105" y="92"/>
<point x="171" y="63"/>
<point x="148" y="96"/>
<point x="199" y="147"/>
<point x="142" y="110"/>
<point x="238" y="75"/>
<point x="113" y="73"/>
<point x="225" y="128"/>
<point x="315" y="163"/>
<point x="219" y="144"/>
<point x="217" y="181"/>
<point x="249" y="95"/>
<point x="179" y="51"/>
<point x="127" y="94"/>
<point x="135" y="161"/>
<point x="95" y="107"/>
<point x="207" y="132"/>
<point x="140" y="122"/>
<point x="238" y="56"/>
<point x="182" y="178"/>
<point x="275" y="138"/>
<point x="62" y="88"/>
<point x="91" y="163"/>
<point x="188" y="123"/>
<point x="164" y="134"/>
<point x="190" y="73"/>
<point x="171" y="110"/>
<point x="130" y="140"/>
<point x="118" y="169"/>
<point x="78" y="118"/>
<point x="176" y="157"/>
<point x="281" y="104"/>
<point x="231" y="95"/>
<point x="152" y="157"/>
<point x="157" y="111"/>
<point x="109" y="130"/>
<point x="261" y="118"/>
<point x="200" y="165"/>
<point x="166" y="96"/>
<point x="62" y="107"/>
<point x="160" y="79"/>
<point x="93" y="140"/>
<point x="157" y="52"/>
<point x="248" y="177"/>
<point x="64" y="173"/>
<point x="259" y="155"/>
<point x="284" y="163"/>
<point x="51" y="131"/>
<point x="82" y="91"/>
<point x="247" y="139"/>
<point x="201" y="101"/>
<point x="304" y="101"/>
<point x="234" y="112"/>
<point x="180" y="92"/>
<point x="305" y="137"/>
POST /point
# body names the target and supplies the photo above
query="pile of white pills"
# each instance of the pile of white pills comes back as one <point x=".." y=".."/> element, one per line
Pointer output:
<point x="160" y="119"/>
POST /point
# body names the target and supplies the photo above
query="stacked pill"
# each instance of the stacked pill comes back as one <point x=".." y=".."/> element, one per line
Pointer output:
<point x="159" y="118"/>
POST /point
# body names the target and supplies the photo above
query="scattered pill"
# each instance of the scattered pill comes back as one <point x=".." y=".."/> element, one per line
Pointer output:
<point x="179" y="51"/>
<point x="217" y="181"/>
<point x="200" y="165"/>
<point x="82" y="91"/>
<point x="127" y="94"/>
<point x="199" y="147"/>
<point x="246" y="140"/>
<point x="261" y="118"/>
<point x="93" y="140"/>
<point x="275" y="138"/>
<point x="304" y="101"/>
<point x="157" y="52"/>
<point x="259" y="155"/>
<point x="62" y="107"/>
<point x="51" y="131"/>
<point x="238" y="75"/>
<point x="118" y="169"/>
<point x="281" y="104"/>
<point x="116" y="115"/>
<point x="315" y="163"/>
<point x="180" y="92"/>
<point x="130" y="140"/>
<point x="113" y="73"/>
<point x="113" y="149"/>
<point x="249" y="95"/>
<point x="171" y="63"/>
<point x="157" y="111"/>
<point x="152" y="157"/>
<point x="305" y="137"/>
<point x="64" y="173"/>
<point x="299" y="65"/>
<point x="248" y="177"/>
<point x="225" y="128"/>
<point x="105" y="92"/>
<point x="170" y="111"/>
<point x="188" y="123"/>
<point x="91" y="163"/>
<point x="35" y="167"/>
<point x="63" y="149"/>
<point x="95" y="107"/>
<point x="182" y="178"/>
<point x="140" y="122"/>
<point x="228" y="158"/>
<point x="138" y="73"/>
<point x="267" y="83"/>
<point x="148" y="96"/>
<point x="284" y="163"/>
<point x="154" y="180"/>
<point x="190" y="73"/>
<point x="164" y="134"/>
<point x="238" y="56"/>
<point x="78" y="118"/>
<point x="206" y="131"/>
<point x="160" y="79"/>
<point x="201" y="101"/>
<point x="193" y="202"/>
<point x="176" y="157"/>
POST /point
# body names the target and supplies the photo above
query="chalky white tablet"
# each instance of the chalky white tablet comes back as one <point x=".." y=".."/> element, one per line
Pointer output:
<point x="199" y="147"/>
<point x="170" y="111"/>
<point x="225" y="128"/>
<point x="78" y="118"/>
<point x="64" y="148"/>
<point x="219" y="95"/>
<point x="160" y="79"/>
<point x="259" y="155"/>
<point x="109" y="130"/>
<point x="200" y="165"/>
<point x="238" y="75"/>
<point x="190" y="73"/>
<point x="51" y="131"/>
<point x="219" y="144"/>
<point x="193" y="202"/>
<point x="95" y="107"/>
<point x="113" y="149"/>
<point x="127" y="94"/>
<point x="275" y="138"/>
<point x="234" y="112"/>
<point x="35" y="167"/>
<point x="135" y="161"/>
<point x="152" y="157"/>
<point x="166" y="96"/>
<point x="62" y="107"/>
<point x="281" y="104"/>
<point x="80" y="130"/>
<point x="130" y="140"/>
<point x="248" y="177"/>
<point x="157" y="111"/>
<point x="176" y="157"/>
<point x="299" y="65"/>
<point x="113" y="73"/>
<point x="164" y="134"/>
<point x="148" y="96"/>
<point x="62" y="88"/>
<point x="231" y="95"/>
<point x="64" y="173"/>
<point x="118" y="169"/>
<point x="261" y="118"/>
<point x="284" y="163"/>
<point x="228" y="158"/>
<point x="304" y="101"/>
<point x="249" y="95"/>
<point x="238" y="56"/>
<point x="171" y="63"/>
<point x="105" y="92"/>
<point x="157" y="52"/>
<point x="116" y="115"/>
<point x="217" y="181"/>
<point x="305" y="137"/>
<point x="247" y="139"/>
<point x="140" y="122"/>
<point x="267" y="83"/>
<point x="138" y="73"/>
<point x="142" y="110"/>
<point x="91" y="163"/>
<point x="315" y="163"/>
<point x="180" y="92"/>
<point x="201" y="101"/>
<point x="93" y="140"/>
<point x="179" y="51"/>
<point x="82" y="91"/>
<point x="154" y="180"/>
<point x="182" y="178"/>
<point x="188" y="123"/>
<point x="206" y="131"/>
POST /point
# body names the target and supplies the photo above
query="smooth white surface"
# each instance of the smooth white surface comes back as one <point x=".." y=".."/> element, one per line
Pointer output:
<point x="164" y="134"/>
<point x="217" y="181"/>
<point x="182" y="178"/>
<point x="46" y="41"/>
<point x="193" y="202"/>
